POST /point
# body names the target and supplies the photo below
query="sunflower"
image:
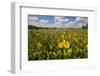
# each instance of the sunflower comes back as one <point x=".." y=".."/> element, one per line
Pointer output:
<point x="63" y="44"/>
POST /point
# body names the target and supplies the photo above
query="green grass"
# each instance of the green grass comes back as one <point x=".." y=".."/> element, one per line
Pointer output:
<point x="50" y="44"/>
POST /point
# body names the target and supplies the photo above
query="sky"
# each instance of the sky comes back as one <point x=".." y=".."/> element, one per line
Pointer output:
<point x="57" y="21"/>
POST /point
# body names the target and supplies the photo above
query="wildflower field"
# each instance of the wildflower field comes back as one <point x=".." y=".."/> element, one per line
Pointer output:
<point x="50" y="44"/>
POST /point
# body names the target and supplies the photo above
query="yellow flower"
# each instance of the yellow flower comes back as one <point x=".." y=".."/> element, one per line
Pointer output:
<point x="69" y="35"/>
<point x="64" y="32"/>
<point x="60" y="45"/>
<point x="62" y="36"/>
<point x="66" y="45"/>
<point x="64" y="41"/>
<point x="39" y="44"/>
<point x="63" y="44"/>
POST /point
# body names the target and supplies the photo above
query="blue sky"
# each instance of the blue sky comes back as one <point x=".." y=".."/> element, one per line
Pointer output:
<point x="57" y="21"/>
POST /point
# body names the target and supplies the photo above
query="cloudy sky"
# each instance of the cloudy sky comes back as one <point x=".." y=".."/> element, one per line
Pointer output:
<point x="57" y="21"/>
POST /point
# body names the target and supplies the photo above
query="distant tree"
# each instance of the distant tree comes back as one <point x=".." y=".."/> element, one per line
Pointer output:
<point x="85" y="27"/>
<point x="35" y="27"/>
<point x="32" y="27"/>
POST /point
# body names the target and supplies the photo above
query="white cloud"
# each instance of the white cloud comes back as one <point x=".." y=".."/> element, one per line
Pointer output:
<point x="72" y="24"/>
<point x="59" y="22"/>
<point x="56" y="19"/>
<point x="43" y="23"/>
<point x="64" y="20"/>
<point x="61" y="19"/>
<point x="33" y="20"/>
<point x="82" y="20"/>
<point x="77" y="23"/>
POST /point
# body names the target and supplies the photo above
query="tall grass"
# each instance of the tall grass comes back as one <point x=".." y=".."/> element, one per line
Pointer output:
<point x="49" y="44"/>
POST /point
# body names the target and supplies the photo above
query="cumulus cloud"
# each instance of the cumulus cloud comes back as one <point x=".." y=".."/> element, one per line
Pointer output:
<point x="43" y="22"/>
<point x="64" y="20"/>
<point x="82" y="21"/>
<point x="60" y="19"/>
<point x="33" y="20"/>
<point x="70" y="24"/>
<point x="59" y="22"/>
<point x="77" y="23"/>
<point x="57" y="18"/>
